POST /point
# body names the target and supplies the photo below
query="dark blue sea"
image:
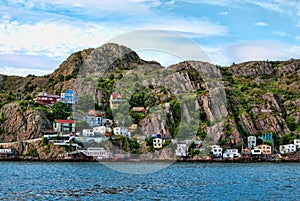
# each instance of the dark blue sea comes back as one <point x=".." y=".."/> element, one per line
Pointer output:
<point x="149" y="181"/>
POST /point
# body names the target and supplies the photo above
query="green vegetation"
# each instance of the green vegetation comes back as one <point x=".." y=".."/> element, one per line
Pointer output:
<point x="32" y="152"/>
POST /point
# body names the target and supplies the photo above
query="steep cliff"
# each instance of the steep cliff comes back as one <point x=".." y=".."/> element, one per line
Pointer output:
<point x="18" y="124"/>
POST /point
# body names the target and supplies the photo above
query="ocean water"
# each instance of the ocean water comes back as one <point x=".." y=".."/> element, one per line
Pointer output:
<point x="179" y="181"/>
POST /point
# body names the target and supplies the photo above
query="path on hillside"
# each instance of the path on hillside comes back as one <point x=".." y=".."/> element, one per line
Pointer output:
<point x="11" y="143"/>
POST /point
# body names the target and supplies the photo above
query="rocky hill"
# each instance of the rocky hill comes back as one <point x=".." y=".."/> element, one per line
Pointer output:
<point x="191" y="99"/>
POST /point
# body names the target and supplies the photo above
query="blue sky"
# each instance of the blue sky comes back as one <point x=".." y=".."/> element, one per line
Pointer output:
<point x="37" y="35"/>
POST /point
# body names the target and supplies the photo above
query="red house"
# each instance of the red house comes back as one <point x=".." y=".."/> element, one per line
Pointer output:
<point x="47" y="99"/>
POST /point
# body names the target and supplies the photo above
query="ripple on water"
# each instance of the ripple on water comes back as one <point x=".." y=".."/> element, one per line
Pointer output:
<point x="93" y="181"/>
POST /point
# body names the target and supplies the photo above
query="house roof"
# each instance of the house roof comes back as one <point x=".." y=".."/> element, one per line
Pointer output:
<point x="115" y="96"/>
<point x="138" y="109"/>
<point x="65" y="121"/>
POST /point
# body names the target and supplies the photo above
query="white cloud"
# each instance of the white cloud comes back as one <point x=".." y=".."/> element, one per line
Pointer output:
<point x="263" y="50"/>
<point x="7" y="70"/>
<point x="194" y="27"/>
<point x="225" y="13"/>
<point x="280" y="33"/>
<point x="261" y="24"/>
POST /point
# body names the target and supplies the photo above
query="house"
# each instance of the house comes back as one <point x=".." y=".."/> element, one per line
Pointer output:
<point x="140" y="138"/>
<point x="256" y="152"/>
<point x="216" y="151"/>
<point x="47" y="99"/>
<point x="64" y="126"/>
<point x="297" y="143"/>
<point x="95" y="118"/>
<point x="115" y="100"/>
<point x="231" y="153"/>
<point x="181" y="150"/>
<point x="98" y="153"/>
<point x="267" y="137"/>
<point x="139" y="109"/>
<point x="157" y="143"/>
<point x="251" y="142"/>
<point x="88" y="132"/>
<point x="133" y="127"/>
<point x="7" y="151"/>
<point x="108" y="132"/>
<point x="288" y="148"/>
<point x="265" y="149"/>
<point x="246" y="153"/>
<point x="68" y="97"/>
<point x="117" y="131"/>
<point x="99" y="130"/>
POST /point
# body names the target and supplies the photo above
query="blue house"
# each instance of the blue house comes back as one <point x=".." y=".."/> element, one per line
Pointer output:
<point x="68" y="97"/>
<point x="267" y="137"/>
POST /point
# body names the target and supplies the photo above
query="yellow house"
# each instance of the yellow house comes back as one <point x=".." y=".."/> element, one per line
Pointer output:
<point x="115" y="100"/>
<point x="157" y="143"/>
<point x="265" y="149"/>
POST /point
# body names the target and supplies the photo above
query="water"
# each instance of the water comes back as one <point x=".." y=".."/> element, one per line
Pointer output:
<point x="183" y="181"/>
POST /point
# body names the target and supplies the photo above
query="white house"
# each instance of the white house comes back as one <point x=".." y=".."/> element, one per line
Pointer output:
<point x="297" y="143"/>
<point x="231" y="153"/>
<point x="256" y="152"/>
<point x="288" y="148"/>
<point x="99" y="130"/>
<point x="88" y="132"/>
<point x="117" y="131"/>
<point x="251" y="142"/>
<point x="216" y="151"/>
<point x="182" y="149"/>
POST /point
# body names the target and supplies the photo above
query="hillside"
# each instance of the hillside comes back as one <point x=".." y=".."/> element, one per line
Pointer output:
<point x="191" y="99"/>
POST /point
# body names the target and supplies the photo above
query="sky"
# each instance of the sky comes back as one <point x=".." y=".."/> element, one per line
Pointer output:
<point x="37" y="35"/>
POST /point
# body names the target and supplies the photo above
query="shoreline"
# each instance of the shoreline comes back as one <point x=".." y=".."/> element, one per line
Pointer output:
<point x="239" y="160"/>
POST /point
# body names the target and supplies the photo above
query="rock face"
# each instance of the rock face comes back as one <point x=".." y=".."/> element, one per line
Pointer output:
<point x="107" y="58"/>
<point x="36" y="151"/>
<point x="17" y="125"/>
<point x="253" y="68"/>
<point x="73" y="63"/>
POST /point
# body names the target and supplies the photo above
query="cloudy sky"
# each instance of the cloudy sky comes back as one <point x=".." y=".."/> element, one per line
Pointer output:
<point x="37" y="35"/>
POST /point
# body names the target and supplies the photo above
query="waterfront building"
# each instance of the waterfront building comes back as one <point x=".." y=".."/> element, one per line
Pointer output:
<point x="256" y="152"/>
<point x="288" y="148"/>
<point x="231" y="153"/>
<point x="182" y="150"/>
<point x="216" y="151"/>
<point x="157" y="143"/>
<point x="251" y="142"/>
<point x="98" y="153"/>
<point x="265" y="149"/>
<point x="64" y="126"/>
<point x="297" y="143"/>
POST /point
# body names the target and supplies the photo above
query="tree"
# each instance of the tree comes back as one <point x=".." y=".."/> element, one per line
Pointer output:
<point x="85" y="103"/>
<point x="59" y="111"/>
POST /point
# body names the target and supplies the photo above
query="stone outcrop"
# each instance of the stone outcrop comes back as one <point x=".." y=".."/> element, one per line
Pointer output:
<point x="19" y="125"/>
<point x="36" y="151"/>
<point x="107" y="58"/>
<point x="73" y="63"/>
